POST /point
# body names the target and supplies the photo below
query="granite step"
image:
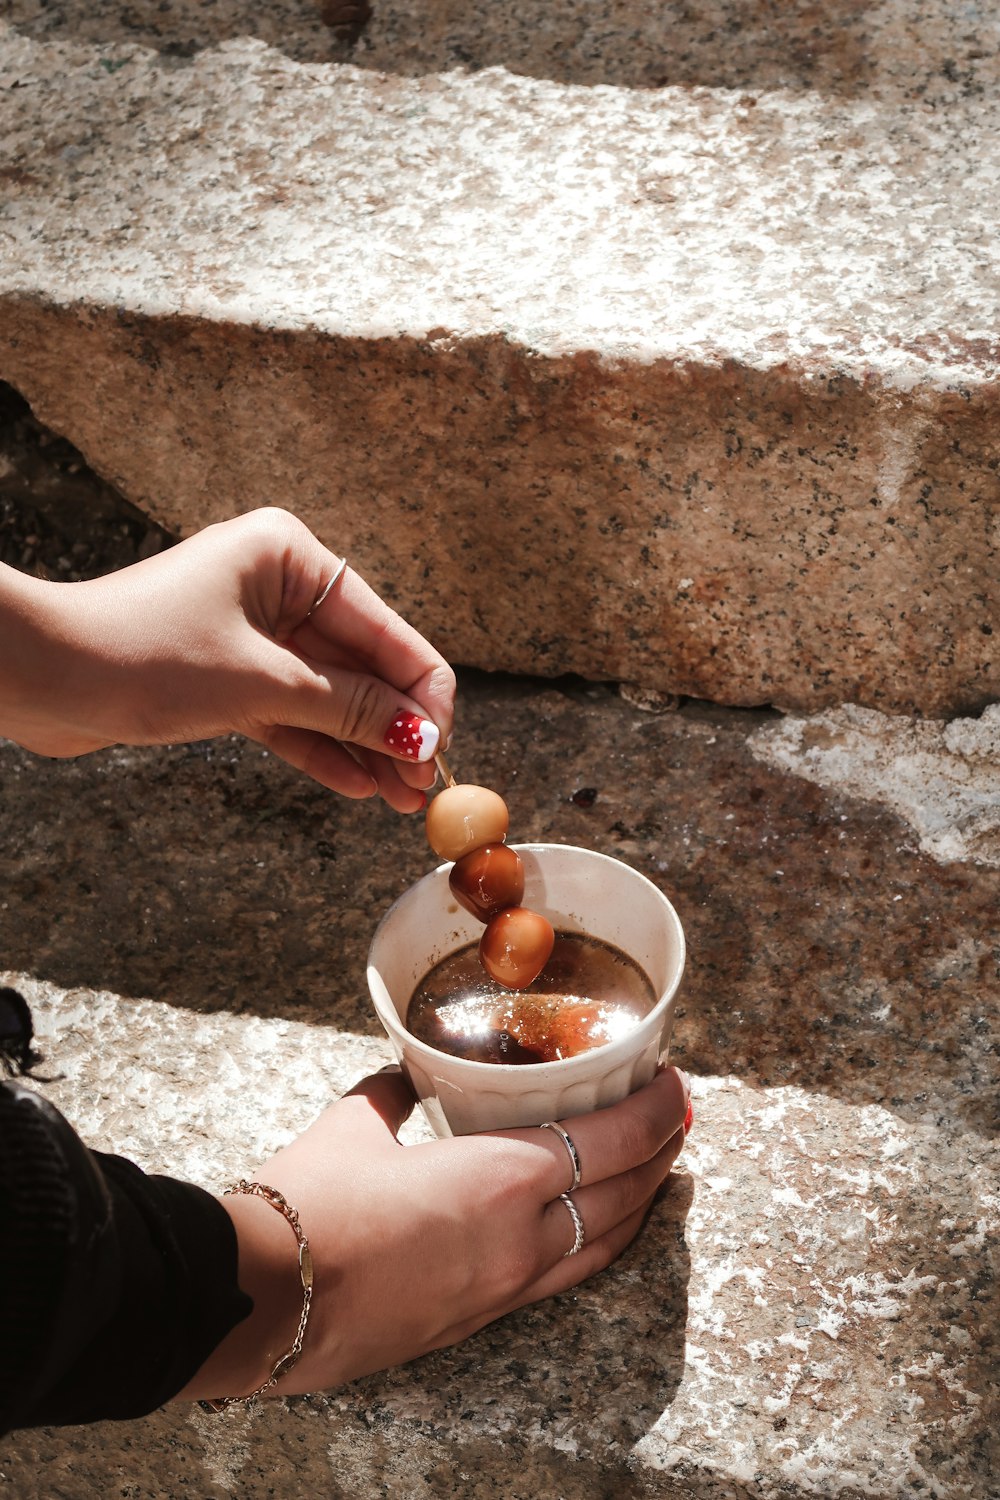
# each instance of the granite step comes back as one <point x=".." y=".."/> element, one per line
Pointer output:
<point x="648" y="343"/>
<point x="811" y="1311"/>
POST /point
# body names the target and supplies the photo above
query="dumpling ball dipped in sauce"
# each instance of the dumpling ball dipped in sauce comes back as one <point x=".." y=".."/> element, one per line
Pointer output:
<point x="516" y="946"/>
<point x="488" y="880"/>
<point x="464" y="817"/>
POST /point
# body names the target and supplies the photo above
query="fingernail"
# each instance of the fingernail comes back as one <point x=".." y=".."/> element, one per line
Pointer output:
<point x="688" y="1118"/>
<point x="412" y="737"/>
<point x="685" y="1082"/>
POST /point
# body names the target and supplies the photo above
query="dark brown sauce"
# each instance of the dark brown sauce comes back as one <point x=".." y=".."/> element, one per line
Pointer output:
<point x="589" y="993"/>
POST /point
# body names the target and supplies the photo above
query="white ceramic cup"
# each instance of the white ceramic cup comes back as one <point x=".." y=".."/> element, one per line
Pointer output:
<point x="579" y="891"/>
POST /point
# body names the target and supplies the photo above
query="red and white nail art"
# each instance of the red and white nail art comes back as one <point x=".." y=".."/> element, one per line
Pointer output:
<point x="412" y="737"/>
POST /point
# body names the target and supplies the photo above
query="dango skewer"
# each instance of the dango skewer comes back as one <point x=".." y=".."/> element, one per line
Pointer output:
<point x="468" y="825"/>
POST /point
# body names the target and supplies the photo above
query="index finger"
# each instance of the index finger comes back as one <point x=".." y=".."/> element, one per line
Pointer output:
<point x="613" y="1140"/>
<point x="354" y="626"/>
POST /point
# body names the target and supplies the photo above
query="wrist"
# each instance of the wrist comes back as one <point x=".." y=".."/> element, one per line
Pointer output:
<point x="268" y="1272"/>
<point x="66" y="670"/>
<point x="35" y="665"/>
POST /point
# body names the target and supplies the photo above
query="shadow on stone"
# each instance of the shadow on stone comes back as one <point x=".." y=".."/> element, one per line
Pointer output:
<point x="827" y="953"/>
<point x="958" y="1304"/>
<point x="730" y="44"/>
<point x="751" y="45"/>
<point x="567" y="1386"/>
<point x="58" y="519"/>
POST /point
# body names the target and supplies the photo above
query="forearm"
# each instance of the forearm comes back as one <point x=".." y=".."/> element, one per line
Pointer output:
<point x="115" y="1286"/>
<point x="37" y="655"/>
<point x="79" y="662"/>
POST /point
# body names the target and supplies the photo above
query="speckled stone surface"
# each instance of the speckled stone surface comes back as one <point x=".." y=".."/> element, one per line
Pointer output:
<point x="659" y="347"/>
<point x="812" y="1308"/>
<point x="942" y="777"/>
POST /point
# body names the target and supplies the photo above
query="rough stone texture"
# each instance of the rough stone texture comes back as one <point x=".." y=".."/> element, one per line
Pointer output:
<point x="668" y="356"/>
<point x="942" y="778"/>
<point x="812" y="1309"/>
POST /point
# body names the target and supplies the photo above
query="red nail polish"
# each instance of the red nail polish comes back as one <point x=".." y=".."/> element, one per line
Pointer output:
<point x="689" y="1118"/>
<point x="412" y="737"/>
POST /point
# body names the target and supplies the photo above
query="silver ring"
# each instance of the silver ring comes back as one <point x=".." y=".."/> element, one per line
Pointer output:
<point x="323" y="592"/>
<point x="579" y="1234"/>
<point x="574" y="1154"/>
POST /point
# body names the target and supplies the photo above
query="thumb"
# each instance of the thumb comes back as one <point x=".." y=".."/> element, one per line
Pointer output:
<point x="367" y="1117"/>
<point x="389" y="1100"/>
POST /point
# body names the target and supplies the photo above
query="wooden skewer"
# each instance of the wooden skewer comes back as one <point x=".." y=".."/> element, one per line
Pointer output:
<point x="445" y="769"/>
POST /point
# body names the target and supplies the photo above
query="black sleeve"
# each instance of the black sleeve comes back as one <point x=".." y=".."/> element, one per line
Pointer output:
<point x="114" y="1286"/>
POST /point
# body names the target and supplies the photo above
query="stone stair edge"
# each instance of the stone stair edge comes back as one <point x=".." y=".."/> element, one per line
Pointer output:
<point x="913" y="379"/>
<point x="836" y="296"/>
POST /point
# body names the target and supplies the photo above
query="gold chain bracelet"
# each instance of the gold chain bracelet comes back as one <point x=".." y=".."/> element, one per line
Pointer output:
<point x="290" y="1360"/>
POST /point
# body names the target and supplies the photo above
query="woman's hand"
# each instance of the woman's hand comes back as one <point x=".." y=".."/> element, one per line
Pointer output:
<point x="216" y="636"/>
<point x="417" y="1247"/>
